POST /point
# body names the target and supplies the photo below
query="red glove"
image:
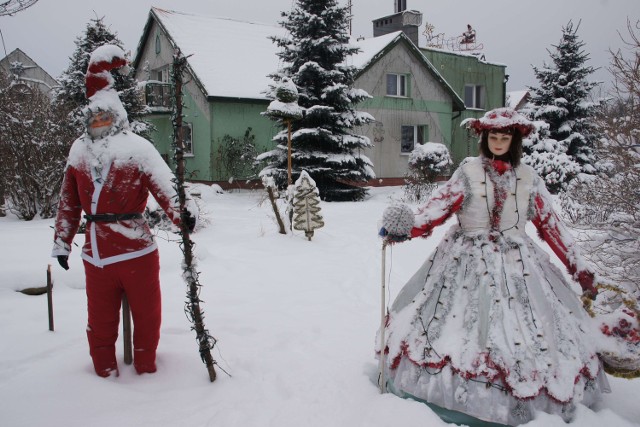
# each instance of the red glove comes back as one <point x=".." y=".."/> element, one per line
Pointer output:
<point x="586" y="278"/>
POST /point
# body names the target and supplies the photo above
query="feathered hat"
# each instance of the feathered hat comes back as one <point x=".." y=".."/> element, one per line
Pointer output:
<point x="500" y="119"/>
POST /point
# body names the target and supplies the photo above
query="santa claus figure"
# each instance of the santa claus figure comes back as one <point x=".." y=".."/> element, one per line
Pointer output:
<point x="109" y="174"/>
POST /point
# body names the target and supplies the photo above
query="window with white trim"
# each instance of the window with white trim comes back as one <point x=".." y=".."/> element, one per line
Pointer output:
<point x="396" y="85"/>
<point x="412" y="135"/>
<point x="474" y="96"/>
<point x="161" y="74"/>
<point x="187" y="139"/>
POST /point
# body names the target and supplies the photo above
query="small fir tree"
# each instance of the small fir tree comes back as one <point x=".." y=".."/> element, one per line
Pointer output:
<point x="563" y="101"/>
<point x="314" y="54"/>
<point x="306" y="206"/>
<point x="70" y="95"/>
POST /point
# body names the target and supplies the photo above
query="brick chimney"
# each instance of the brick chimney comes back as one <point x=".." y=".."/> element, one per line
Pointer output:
<point x="407" y="21"/>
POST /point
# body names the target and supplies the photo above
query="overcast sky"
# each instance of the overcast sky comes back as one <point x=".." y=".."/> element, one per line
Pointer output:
<point x="514" y="33"/>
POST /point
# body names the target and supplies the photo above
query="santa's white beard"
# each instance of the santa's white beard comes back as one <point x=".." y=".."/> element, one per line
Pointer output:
<point x="99" y="132"/>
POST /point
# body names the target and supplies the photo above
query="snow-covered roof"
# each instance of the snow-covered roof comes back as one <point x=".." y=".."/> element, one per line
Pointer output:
<point x="515" y="98"/>
<point x="230" y="58"/>
<point x="369" y="49"/>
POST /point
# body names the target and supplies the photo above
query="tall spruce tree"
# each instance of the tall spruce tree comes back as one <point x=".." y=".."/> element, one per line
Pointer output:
<point x="563" y="101"/>
<point x="70" y="96"/>
<point x="314" y="54"/>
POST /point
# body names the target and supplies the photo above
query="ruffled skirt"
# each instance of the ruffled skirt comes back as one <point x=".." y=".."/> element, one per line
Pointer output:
<point x="489" y="327"/>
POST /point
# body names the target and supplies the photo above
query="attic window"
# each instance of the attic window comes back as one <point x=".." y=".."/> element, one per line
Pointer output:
<point x="158" y="45"/>
<point x="396" y="85"/>
<point x="474" y="96"/>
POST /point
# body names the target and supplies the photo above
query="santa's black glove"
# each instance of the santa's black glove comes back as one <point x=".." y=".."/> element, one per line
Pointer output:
<point x="63" y="260"/>
<point x="188" y="220"/>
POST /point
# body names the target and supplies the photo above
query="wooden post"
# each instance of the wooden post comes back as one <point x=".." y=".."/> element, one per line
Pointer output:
<point x="289" y="180"/>
<point x="50" y="297"/>
<point x="126" y="331"/>
<point x="383" y="381"/>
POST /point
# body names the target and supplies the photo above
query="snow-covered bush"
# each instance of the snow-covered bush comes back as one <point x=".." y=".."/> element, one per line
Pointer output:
<point x="237" y="156"/>
<point x="34" y="143"/>
<point x="426" y="163"/>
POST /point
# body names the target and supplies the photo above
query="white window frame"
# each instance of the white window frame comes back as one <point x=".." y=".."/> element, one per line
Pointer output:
<point x="161" y="74"/>
<point x="420" y="136"/>
<point x="188" y="144"/>
<point x="474" y="96"/>
<point x="401" y="86"/>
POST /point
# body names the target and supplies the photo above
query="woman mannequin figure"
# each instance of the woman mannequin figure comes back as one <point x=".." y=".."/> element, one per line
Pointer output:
<point x="488" y="329"/>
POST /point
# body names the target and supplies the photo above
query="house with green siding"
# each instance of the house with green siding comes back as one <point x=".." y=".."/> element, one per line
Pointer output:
<point x="417" y="94"/>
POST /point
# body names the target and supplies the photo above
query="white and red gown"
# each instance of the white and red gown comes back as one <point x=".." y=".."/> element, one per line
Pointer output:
<point x="488" y="326"/>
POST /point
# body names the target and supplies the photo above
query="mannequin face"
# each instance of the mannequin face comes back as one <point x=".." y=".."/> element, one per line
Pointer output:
<point x="100" y="124"/>
<point x="499" y="143"/>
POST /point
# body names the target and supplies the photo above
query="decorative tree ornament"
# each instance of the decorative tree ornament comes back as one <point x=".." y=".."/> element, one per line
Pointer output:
<point x="285" y="106"/>
<point x="306" y="205"/>
<point x="398" y="220"/>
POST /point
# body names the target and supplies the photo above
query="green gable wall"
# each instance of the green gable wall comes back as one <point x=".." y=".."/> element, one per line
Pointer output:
<point x="233" y="117"/>
<point x="227" y="117"/>
<point x="459" y="70"/>
<point x="197" y="166"/>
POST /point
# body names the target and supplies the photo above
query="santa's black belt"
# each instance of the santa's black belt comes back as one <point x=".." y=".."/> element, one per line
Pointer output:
<point x="112" y="217"/>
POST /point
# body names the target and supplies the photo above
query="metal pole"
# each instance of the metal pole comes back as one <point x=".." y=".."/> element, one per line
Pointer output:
<point x="126" y="331"/>
<point x="383" y="385"/>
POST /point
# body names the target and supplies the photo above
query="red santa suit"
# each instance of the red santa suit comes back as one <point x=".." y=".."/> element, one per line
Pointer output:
<point x="109" y="177"/>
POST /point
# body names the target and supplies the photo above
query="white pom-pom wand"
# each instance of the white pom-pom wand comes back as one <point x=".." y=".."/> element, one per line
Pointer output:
<point x="398" y="220"/>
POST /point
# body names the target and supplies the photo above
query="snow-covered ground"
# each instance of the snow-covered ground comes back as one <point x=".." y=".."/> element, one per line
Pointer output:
<point x="295" y="322"/>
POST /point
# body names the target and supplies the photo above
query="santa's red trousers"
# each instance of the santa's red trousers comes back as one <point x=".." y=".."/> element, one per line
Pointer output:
<point x="139" y="279"/>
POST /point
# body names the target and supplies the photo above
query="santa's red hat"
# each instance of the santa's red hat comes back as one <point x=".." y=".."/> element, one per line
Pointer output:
<point x="500" y="119"/>
<point x="102" y="61"/>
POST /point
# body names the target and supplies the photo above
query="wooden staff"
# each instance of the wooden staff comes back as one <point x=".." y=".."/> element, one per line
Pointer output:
<point x="205" y="340"/>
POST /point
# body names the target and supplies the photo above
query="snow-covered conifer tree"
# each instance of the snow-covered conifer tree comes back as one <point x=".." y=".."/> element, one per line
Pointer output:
<point x="71" y="93"/>
<point x="313" y="54"/>
<point x="563" y="101"/>
<point x="549" y="158"/>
